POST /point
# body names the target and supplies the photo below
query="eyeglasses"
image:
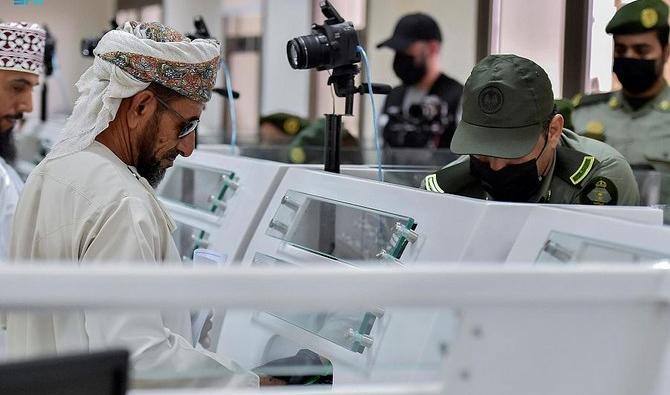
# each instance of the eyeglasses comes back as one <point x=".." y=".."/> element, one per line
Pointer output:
<point x="189" y="126"/>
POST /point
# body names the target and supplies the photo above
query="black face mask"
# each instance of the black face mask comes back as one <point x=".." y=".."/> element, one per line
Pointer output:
<point x="513" y="183"/>
<point x="636" y="75"/>
<point x="405" y="68"/>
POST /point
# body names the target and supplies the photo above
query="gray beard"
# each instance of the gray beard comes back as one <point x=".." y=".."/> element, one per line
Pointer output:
<point x="152" y="172"/>
<point x="148" y="166"/>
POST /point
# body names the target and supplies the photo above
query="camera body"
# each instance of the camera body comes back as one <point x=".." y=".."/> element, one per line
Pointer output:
<point x="201" y="30"/>
<point x="421" y="125"/>
<point x="330" y="45"/>
<point x="430" y="110"/>
<point x="88" y="45"/>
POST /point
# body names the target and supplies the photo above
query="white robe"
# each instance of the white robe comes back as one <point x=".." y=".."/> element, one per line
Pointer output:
<point x="10" y="190"/>
<point x="91" y="207"/>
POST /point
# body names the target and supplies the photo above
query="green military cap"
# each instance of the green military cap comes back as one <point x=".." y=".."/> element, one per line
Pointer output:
<point x="505" y="101"/>
<point x="638" y="17"/>
<point x="288" y="123"/>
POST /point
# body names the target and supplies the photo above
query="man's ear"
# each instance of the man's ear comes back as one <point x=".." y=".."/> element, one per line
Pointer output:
<point x="141" y="109"/>
<point x="556" y="128"/>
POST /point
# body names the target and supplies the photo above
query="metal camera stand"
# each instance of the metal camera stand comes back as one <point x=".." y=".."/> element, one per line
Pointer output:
<point x="342" y="80"/>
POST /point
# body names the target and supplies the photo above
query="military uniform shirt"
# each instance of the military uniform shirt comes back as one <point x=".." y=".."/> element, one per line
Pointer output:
<point x="642" y="136"/>
<point x="584" y="171"/>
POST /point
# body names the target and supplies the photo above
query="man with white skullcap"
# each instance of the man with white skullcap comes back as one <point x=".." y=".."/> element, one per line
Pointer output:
<point x="92" y="199"/>
<point x="21" y="58"/>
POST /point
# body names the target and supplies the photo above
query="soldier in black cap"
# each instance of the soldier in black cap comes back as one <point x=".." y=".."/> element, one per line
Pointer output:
<point x="516" y="149"/>
<point x="423" y="111"/>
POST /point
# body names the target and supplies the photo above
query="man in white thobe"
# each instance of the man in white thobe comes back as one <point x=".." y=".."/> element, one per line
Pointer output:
<point x="92" y="200"/>
<point x="21" y="60"/>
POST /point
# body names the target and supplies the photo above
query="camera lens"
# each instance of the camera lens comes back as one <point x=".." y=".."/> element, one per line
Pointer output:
<point x="88" y="45"/>
<point x="294" y="58"/>
<point x="306" y="52"/>
<point x="415" y="111"/>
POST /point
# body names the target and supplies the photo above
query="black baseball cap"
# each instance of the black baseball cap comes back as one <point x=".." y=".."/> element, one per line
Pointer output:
<point x="411" y="28"/>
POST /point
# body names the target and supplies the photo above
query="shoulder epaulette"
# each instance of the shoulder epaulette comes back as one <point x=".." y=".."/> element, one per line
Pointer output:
<point x="573" y="166"/>
<point x="587" y="100"/>
<point x="451" y="179"/>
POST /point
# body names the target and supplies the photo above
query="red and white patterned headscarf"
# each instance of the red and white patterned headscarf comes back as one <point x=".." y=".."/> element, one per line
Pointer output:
<point x="126" y="61"/>
<point x="22" y="47"/>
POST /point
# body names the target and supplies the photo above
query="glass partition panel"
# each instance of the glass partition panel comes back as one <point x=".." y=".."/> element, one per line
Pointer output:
<point x="348" y="155"/>
<point x="654" y="188"/>
<point x="339" y="230"/>
<point x="350" y="330"/>
<point x="407" y="177"/>
<point x="410" y="176"/>
<point x="188" y="238"/>
<point x="199" y="188"/>
<point x="565" y="248"/>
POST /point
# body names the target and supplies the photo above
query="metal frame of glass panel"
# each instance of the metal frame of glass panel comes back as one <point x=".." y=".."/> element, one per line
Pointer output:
<point x="294" y="224"/>
<point x="176" y="191"/>
<point x="317" y="323"/>
<point x="566" y="248"/>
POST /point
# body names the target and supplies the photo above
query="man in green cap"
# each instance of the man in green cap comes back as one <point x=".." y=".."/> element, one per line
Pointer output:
<point x="280" y="128"/>
<point x="307" y="146"/>
<point x="636" y="119"/>
<point x="518" y="150"/>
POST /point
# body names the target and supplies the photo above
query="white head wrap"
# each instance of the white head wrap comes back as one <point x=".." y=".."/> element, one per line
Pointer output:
<point x="126" y="61"/>
<point x="22" y="47"/>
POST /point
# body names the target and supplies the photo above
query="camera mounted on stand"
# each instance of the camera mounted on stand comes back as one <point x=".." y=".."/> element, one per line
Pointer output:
<point x="333" y="46"/>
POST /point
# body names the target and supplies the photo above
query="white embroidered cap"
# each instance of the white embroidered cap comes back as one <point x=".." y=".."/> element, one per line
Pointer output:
<point x="22" y="47"/>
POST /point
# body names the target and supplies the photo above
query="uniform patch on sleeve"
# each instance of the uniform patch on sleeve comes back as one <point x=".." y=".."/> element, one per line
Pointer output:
<point x="583" y="171"/>
<point x="430" y="183"/>
<point x="600" y="191"/>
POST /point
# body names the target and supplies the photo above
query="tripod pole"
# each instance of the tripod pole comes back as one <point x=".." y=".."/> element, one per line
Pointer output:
<point x="332" y="140"/>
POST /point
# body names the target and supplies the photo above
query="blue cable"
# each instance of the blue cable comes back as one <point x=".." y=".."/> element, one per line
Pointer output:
<point x="368" y="75"/>
<point x="231" y="104"/>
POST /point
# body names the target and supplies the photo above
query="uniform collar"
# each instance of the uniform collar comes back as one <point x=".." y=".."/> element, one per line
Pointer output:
<point x="573" y="166"/>
<point x="660" y="102"/>
<point x="569" y="165"/>
<point x="544" y="194"/>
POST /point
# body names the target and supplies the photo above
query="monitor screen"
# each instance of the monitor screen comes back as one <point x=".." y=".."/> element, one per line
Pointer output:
<point x="102" y="373"/>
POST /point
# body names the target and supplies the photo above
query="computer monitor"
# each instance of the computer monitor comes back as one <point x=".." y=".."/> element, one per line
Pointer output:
<point x="100" y="373"/>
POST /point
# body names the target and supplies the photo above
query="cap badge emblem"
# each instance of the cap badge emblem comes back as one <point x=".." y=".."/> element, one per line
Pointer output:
<point x="649" y="18"/>
<point x="491" y="100"/>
